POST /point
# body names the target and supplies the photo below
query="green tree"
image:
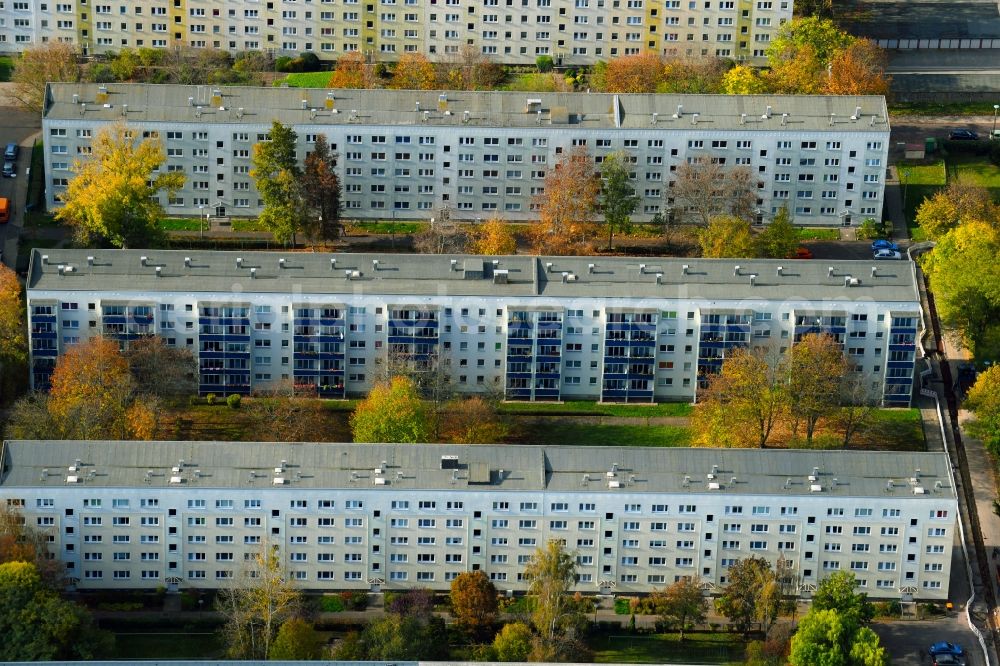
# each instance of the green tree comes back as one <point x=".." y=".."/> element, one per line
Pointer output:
<point x="551" y="572"/>
<point x="825" y="637"/>
<point x="256" y="602"/>
<point x="513" y="642"/>
<point x="816" y="369"/>
<point x="681" y="604"/>
<point x="160" y="369"/>
<point x="39" y="626"/>
<point x="322" y="191"/>
<point x="474" y="602"/>
<point x="392" y="412"/>
<point x="984" y="401"/>
<point x="727" y="236"/>
<point x="838" y="592"/>
<point x="752" y="595"/>
<point x="965" y="278"/>
<point x="276" y="173"/>
<point x="617" y="198"/>
<point x="780" y="238"/>
<point x="405" y="633"/>
<point x="297" y="640"/>
<point x="819" y="34"/>
<point x="114" y="195"/>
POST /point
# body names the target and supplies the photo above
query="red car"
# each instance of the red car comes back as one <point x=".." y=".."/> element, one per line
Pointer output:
<point x="802" y="253"/>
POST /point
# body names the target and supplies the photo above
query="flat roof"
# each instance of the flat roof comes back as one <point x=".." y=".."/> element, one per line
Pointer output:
<point x="249" y="465"/>
<point x="304" y="106"/>
<point x="471" y="275"/>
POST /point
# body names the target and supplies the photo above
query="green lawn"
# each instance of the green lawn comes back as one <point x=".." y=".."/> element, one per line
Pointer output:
<point x="977" y="171"/>
<point x="584" y="434"/>
<point x="180" y="224"/>
<point x="941" y="109"/>
<point x="6" y="67"/>
<point x="185" y="645"/>
<point x="899" y="426"/>
<point x="806" y="233"/>
<point x="919" y="182"/>
<point x="537" y="82"/>
<point x="385" y="227"/>
<point x="591" y="408"/>
<point x="306" y="80"/>
<point x="248" y="224"/>
<point x="697" y="648"/>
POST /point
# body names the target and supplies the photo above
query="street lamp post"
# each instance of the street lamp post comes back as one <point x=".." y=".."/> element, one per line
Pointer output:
<point x="201" y="229"/>
<point x="996" y="107"/>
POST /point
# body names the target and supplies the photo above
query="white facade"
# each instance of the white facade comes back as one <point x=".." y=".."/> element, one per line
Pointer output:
<point x="531" y="328"/>
<point x="391" y="517"/>
<point x="406" y="155"/>
<point x="572" y="32"/>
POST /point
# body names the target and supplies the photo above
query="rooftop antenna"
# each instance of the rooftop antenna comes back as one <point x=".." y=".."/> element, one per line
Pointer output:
<point x="829" y="271"/>
<point x="694" y="118"/>
<point x="684" y="269"/>
<point x="874" y="271"/>
<point x="743" y="119"/>
<point x="659" y="278"/>
<point x="736" y="270"/>
<point x="753" y="279"/>
<point x="832" y="115"/>
<point x="333" y="263"/>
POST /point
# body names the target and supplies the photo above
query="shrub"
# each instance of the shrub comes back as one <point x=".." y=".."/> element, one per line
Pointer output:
<point x="357" y="600"/>
<point x="210" y="398"/>
<point x="331" y="604"/>
<point x="623" y="606"/>
<point x="233" y="401"/>
<point x="544" y="63"/>
<point x="282" y="63"/>
<point x="887" y="609"/>
<point x="870" y="230"/>
<point x="309" y="62"/>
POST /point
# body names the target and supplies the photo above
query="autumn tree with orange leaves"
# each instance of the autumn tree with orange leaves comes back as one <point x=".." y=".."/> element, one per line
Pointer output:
<point x="13" y="341"/>
<point x="93" y="396"/>
<point x="858" y="70"/>
<point x="414" y="72"/>
<point x="353" y="72"/>
<point x="639" y="73"/>
<point x="493" y="237"/>
<point x="567" y="206"/>
<point x="471" y="421"/>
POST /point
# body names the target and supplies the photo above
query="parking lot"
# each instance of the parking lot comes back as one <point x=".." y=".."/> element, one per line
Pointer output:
<point x="17" y="127"/>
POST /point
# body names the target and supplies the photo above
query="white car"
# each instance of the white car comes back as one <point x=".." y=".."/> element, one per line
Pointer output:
<point x="886" y="254"/>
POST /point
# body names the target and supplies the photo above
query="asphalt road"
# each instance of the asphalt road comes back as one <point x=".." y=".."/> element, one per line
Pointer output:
<point x="17" y="127"/>
<point x="913" y="129"/>
<point x="926" y="19"/>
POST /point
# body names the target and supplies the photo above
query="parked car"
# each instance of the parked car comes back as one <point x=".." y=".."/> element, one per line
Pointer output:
<point x="886" y="254"/>
<point x="9" y="170"/>
<point x="945" y="659"/>
<point x="802" y="253"/>
<point x="963" y="135"/>
<point x="884" y="245"/>
<point x="10" y="152"/>
<point x="944" y="647"/>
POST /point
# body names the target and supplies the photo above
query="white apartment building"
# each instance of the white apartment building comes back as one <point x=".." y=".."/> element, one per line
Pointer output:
<point x="405" y="155"/>
<point x="377" y="517"/>
<point x="572" y="32"/>
<point x="532" y="328"/>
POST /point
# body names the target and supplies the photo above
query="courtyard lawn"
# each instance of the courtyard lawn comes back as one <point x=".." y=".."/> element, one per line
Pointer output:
<point x="822" y="234"/>
<point x="977" y="171"/>
<point x="568" y="433"/>
<point x="697" y="648"/>
<point x="180" y="224"/>
<point x="590" y="408"/>
<point x="306" y="80"/>
<point x="920" y="181"/>
<point x="186" y="645"/>
<point x="385" y="227"/>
